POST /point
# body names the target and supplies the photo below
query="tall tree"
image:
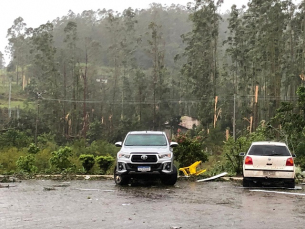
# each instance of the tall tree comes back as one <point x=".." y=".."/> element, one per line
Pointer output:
<point x="17" y="45"/>
<point x="2" y="63"/>
<point x="201" y="53"/>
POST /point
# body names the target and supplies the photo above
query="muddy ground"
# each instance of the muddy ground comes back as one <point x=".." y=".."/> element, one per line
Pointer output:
<point x="79" y="204"/>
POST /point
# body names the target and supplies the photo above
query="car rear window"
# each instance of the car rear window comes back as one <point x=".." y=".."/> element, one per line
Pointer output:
<point x="269" y="150"/>
<point x="146" y="140"/>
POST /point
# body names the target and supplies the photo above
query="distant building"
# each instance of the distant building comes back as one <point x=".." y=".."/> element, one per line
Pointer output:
<point x="187" y="123"/>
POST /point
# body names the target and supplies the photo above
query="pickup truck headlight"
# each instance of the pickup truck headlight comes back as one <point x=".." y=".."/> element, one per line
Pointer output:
<point x="168" y="155"/>
<point x="124" y="155"/>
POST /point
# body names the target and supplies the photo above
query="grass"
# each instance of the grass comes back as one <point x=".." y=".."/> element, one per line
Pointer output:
<point x="17" y="96"/>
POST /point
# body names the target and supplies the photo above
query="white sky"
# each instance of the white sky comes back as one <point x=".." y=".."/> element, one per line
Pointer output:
<point x="37" y="12"/>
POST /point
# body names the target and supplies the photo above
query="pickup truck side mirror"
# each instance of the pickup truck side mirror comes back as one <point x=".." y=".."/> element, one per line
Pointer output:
<point x="242" y="154"/>
<point x="118" y="144"/>
<point x="173" y="144"/>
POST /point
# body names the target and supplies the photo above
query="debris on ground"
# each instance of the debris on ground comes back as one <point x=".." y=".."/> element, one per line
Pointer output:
<point x="214" y="177"/>
<point x="287" y="193"/>
<point x="86" y="189"/>
<point x="48" y="189"/>
<point x="5" y="186"/>
<point x="61" y="185"/>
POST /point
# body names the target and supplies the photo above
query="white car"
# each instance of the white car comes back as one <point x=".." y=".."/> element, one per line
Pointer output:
<point x="268" y="163"/>
<point x="145" y="154"/>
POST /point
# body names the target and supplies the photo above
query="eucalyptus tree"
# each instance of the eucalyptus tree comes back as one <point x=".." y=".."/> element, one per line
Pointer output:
<point x="114" y="31"/>
<point x="17" y="46"/>
<point x="2" y="63"/>
<point x="270" y="53"/>
<point x="237" y="48"/>
<point x="128" y="46"/>
<point x="201" y="53"/>
<point x="71" y="77"/>
<point x="45" y="73"/>
<point x="261" y="47"/>
<point x="298" y="42"/>
<point x="156" y="55"/>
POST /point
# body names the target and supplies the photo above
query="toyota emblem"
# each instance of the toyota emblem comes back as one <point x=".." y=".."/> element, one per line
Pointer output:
<point x="144" y="157"/>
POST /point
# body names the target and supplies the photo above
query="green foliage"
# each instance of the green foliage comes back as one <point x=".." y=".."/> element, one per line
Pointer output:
<point x="101" y="147"/>
<point x="79" y="147"/>
<point x="14" y="138"/>
<point x="95" y="131"/>
<point x="43" y="159"/>
<point x="33" y="149"/>
<point x="144" y="89"/>
<point x="104" y="163"/>
<point x="27" y="164"/>
<point x="231" y="161"/>
<point x="189" y="150"/>
<point x="291" y="124"/>
<point x="60" y="160"/>
<point x="8" y="159"/>
<point x="300" y="152"/>
<point x="88" y="161"/>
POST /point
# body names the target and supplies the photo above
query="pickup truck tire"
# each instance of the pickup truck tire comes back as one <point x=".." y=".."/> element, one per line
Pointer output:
<point x="120" y="179"/>
<point x="170" y="179"/>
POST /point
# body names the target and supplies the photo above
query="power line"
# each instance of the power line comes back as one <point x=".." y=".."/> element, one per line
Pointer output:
<point x="151" y="102"/>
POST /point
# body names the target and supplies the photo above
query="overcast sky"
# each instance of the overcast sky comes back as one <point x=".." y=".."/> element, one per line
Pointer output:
<point x="37" y="12"/>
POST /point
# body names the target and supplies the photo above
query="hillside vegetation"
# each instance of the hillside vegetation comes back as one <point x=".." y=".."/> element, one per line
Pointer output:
<point x="99" y="74"/>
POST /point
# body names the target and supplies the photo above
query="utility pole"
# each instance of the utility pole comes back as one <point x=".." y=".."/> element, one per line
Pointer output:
<point x="9" y="99"/>
<point x="37" y="116"/>
<point x="234" y="118"/>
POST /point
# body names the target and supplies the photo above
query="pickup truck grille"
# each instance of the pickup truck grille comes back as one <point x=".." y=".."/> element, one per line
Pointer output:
<point x="144" y="158"/>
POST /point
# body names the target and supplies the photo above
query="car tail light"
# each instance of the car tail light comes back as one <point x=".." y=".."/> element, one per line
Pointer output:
<point x="248" y="161"/>
<point x="289" y="162"/>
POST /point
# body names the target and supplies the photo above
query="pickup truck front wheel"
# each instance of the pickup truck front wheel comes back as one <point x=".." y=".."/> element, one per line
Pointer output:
<point x="120" y="179"/>
<point x="170" y="179"/>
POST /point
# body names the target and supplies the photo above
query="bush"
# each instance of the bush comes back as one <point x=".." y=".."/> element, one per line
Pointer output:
<point x="189" y="150"/>
<point x="26" y="164"/>
<point x="33" y="149"/>
<point x="104" y="163"/>
<point x="106" y="148"/>
<point x="87" y="161"/>
<point x="60" y="160"/>
<point x="14" y="138"/>
<point x="233" y="162"/>
<point x="8" y="159"/>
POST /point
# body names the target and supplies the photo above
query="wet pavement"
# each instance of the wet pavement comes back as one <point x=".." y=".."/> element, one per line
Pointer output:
<point x="79" y="204"/>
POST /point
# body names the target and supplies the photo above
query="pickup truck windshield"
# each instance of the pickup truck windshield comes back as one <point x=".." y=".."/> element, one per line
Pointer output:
<point x="145" y="140"/>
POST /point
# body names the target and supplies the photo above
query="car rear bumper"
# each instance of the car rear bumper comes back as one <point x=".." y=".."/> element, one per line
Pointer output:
<point x="278" y="182"/>
<point x="264" y="174"/>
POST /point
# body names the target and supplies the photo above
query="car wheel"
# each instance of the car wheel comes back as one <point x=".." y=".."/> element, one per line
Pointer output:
<point x="170" y="179"/>
<point x="120" y="179"/>
<point x="246" y="182"/>
<point x="290" y="184"/>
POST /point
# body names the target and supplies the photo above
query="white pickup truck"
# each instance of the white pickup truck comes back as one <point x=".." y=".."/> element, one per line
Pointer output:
<point x="143" y="154"/>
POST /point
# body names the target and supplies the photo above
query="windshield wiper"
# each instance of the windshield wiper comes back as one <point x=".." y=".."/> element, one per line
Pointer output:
<point x="275" y="154"/>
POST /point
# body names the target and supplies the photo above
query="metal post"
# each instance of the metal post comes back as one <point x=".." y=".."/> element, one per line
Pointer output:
<point x="9" y="99"/>
<point x="234" y="118"/>
<point x="37" y="117"/>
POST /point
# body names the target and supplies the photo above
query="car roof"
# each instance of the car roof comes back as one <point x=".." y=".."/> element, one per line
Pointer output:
<point x="269" y="143"/>
<point x="146" y="132"/>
